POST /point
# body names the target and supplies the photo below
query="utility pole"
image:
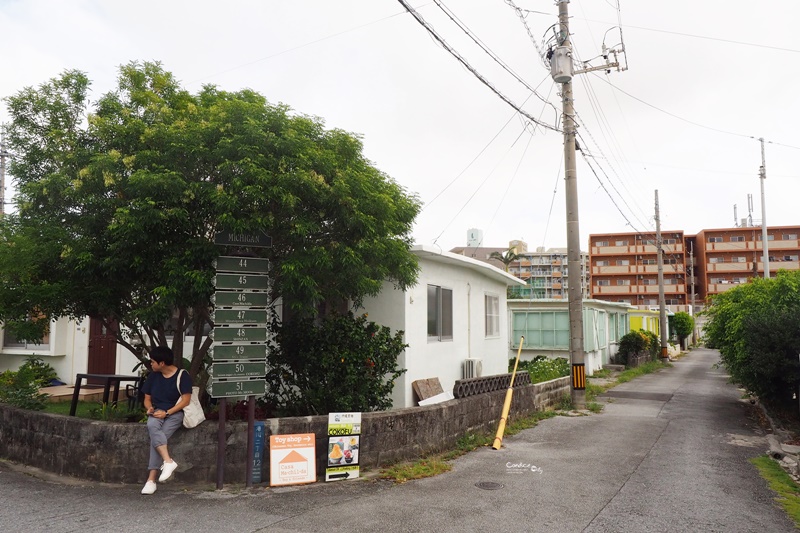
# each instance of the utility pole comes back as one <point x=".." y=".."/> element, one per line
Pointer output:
<point x="561" y="68"/>
<point x="662" y="307"/>
<point x="691" y="280"/>
<point x="764" y="246"/>
<point x="3" y="155"/>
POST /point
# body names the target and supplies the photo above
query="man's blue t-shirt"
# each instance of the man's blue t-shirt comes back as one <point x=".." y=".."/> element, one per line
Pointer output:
<point x="164" y="391"/>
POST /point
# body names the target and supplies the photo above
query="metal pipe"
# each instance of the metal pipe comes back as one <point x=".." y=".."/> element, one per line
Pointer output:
<point x="501" y="428"/>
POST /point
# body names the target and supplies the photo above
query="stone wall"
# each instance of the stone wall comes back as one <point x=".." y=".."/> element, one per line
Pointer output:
<point x="118" y="452"/>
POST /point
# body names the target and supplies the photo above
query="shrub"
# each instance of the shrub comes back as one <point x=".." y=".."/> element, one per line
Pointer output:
<point x="653" y="344"/>
<point x="42" y="372"/>
<point x="343" y="364"/>
<point x="21" y="389"/>
<point x="543" y="368"/>
<point x="632" y="344"/>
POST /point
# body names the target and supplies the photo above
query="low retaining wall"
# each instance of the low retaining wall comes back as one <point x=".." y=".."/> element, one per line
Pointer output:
<point x="638" y="360"/>
<point x="118" y="452"/>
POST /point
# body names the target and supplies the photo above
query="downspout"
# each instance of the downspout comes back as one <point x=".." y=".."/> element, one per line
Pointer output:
<point x="469" y="321"/>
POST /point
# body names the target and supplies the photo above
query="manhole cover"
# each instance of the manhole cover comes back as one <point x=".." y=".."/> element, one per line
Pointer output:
<point x="488" y="485"/>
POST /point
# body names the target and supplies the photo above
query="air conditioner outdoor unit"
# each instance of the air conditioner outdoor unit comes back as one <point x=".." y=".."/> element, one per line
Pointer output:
<point x="471" y="368"/>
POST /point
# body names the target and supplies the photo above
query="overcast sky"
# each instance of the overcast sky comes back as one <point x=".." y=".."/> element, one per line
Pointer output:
<point x="704" y="81"/>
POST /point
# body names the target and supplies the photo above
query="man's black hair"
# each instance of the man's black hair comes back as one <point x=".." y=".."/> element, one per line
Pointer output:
<point x="162" y="354"/>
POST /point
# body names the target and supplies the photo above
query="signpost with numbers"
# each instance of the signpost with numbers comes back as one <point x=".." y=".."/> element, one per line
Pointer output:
<point x="239" y="349"/>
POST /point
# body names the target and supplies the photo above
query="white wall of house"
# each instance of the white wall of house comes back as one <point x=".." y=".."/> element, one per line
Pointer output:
<point x="430" y="357"/>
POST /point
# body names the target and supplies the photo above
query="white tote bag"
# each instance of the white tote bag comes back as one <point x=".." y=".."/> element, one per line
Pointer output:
<point x="192" y="413"/>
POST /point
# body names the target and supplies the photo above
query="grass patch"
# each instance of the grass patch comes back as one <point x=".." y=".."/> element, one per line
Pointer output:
<point x="602" y="373"/>
<point x="647" y="368"/>
<point x="565" y="403"/>
<point x="594" y="407"/>
<point x="400" y="473"/>
<point x="780" y="482"/>
<point x="440" y="463"/>
<point x="592" y="390"/>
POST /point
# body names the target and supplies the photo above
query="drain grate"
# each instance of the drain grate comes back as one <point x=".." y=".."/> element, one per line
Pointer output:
<point x="488" y="485"/>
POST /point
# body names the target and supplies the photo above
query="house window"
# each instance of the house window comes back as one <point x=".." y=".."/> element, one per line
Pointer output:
<point x="492" y="305"/>
<point x="603" y="282"/>
<point x="10" y="341"/>
<point x="790" y="258"/>
<point x="649" y="282"/>
<point x="621" y="243"/>
<point x="623" y="262"/>
<point x="601" y="243"/>
<point x="668" y="241"/>
<point x="440" y="313"/>
<point x="602" y="263"/>
<point x="650" y="261"/>
<point x="623" y="282"/>
<point x="542" y="329"/>
<point x="737" y="238"/>
<point x="716" y="259"/>
<point x="790" y="236"/>
<point x="715" y="239"/>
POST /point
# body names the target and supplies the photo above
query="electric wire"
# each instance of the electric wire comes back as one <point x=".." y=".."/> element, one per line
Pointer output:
<point x="524" y="21"/>
<point x="496" y="135"/>
<point x="480" y="186"/>
<point x="470" y="68"/>
<point x="483" y="46"/>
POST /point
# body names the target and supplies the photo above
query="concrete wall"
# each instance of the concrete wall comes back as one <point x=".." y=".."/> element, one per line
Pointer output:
<point x="117" y="452"/>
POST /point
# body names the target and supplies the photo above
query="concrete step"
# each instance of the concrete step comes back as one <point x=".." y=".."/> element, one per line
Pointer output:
<point x="63" y="393"/>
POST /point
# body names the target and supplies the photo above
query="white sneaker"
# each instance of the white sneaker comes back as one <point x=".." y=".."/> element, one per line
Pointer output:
<point x="166" y="471"/>
<point x="149" y="487"/>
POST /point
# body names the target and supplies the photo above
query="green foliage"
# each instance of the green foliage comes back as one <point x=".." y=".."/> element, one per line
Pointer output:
<point x="682" y="324"/>
<point x="755" y="328"/>
<point x="42" y="372"/>
<point x="345" y="363"/>
<point x="507" y="257"/>
<point x="542" y="368"/>
<point x="119" y="198"/>
<point x="632" y="344"/>
<point x="782" y="483"/>
<point x="21" y="389"/>
<point x="653" y="344"/>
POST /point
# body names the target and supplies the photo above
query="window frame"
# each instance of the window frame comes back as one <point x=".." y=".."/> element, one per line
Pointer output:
<point x="442" y="319"/>
<point x="491" y="308"/>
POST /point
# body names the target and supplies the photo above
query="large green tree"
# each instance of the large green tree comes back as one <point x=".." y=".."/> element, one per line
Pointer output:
<point x="119" y="199"/>
<point x="756" y="330"/>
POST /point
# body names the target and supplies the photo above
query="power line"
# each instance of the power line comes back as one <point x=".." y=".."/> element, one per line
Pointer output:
<point x="483" y="46"/>
<point x="469" y="67"/>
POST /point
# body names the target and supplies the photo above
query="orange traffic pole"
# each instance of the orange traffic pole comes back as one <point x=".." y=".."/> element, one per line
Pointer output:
<point x="501" y="428"/>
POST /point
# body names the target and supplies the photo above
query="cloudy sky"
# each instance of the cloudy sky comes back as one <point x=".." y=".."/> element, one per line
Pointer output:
<point x="704" y="81"/>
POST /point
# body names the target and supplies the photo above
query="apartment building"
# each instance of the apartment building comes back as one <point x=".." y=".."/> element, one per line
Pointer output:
<point x="545" y="272"/>
<point x="624" y="268"/>
<point x="731" y="256"/>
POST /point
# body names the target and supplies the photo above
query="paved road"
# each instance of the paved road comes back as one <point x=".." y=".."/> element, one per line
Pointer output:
<point x="669" y="453"/>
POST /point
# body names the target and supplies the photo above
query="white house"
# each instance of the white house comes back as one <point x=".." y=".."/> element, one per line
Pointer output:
<point x="456" y="312"/>
<point x="545" y="325"/>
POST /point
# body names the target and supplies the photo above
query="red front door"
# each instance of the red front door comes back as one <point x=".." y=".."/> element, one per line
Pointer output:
<point x="102" y="349"/>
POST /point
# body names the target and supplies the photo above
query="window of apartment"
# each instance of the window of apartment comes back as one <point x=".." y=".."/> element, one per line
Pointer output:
<point x="649" y="261"/>
<point x="769" y="237"/>
<point x="623" y="282"/>
<point x="790" y="258"/>
<point x="603" y="282"/>
<point x="668" y="241"/>
<point x="670" y="281"/>
<point x="621" y="243"/>
<point x="739" y="280"/>
<point x="740" y="259"/>
<point x="492" y="315"/>
<point x="601" y="243"/>
<point x="649" y="281"/>
<point x="623" y="262"/>
<point x="715" y="239"/>
<point x="440" y="313"/>
<point x="715" y="280"/>
<point x="716" y="259"/>
<point x="602" y="263"/>
<point x="542" y="329"/>
<point x="789" y="236"/>
<point x="737" y="238"/>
